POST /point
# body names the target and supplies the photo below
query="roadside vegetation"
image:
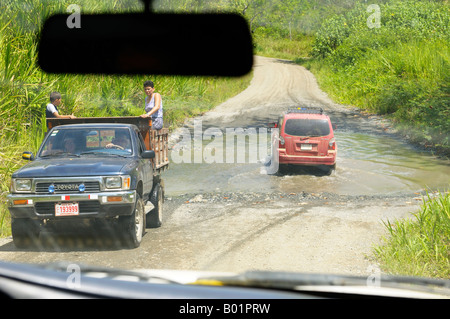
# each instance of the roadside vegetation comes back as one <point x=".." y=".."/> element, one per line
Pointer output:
<point x="398" y="66"/>
<point x="419" y="246"/>
<point x="391" y="57"/>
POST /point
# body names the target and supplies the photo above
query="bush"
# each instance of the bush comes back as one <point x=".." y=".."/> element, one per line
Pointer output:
<point x="332" y="34"/>
<point x="401" y="69"/>
<point x="400" y="20"/>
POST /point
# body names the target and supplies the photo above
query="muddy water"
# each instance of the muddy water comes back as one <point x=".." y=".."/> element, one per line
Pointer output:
<point x="366" y="165"/>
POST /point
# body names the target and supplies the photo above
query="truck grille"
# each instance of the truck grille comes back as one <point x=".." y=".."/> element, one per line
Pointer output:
<point x="85" y="207"/>
<point x="67" y="187"/>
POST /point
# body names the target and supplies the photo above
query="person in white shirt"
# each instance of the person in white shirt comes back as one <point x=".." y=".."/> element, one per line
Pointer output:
<point x="153" y="106"/>
<point x="52" y="108"/>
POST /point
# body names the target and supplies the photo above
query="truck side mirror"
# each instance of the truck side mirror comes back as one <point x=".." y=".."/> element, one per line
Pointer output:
<point x="148" y="154"/>
<point x="28" y="156"/>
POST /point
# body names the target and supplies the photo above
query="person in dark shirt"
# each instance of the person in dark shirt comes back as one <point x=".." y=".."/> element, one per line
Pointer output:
<point x="121" y="141"/>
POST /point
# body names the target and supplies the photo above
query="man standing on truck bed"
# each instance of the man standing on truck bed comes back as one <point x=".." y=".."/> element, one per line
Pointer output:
<point x="52" y="108"/>
<point x="153" y="106"/>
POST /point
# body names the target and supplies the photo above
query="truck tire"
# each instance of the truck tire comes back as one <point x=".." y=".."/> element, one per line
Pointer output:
<point x="131" y="228"/>
<point x="154" y="217"/>
<point x="25" y="232"/>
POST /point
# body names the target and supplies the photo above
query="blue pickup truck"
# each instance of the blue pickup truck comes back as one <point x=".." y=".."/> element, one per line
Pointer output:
<point x="91" y="169"/>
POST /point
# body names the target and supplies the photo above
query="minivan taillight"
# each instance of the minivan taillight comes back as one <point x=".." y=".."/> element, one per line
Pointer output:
<point x="281" y="141"/>
<point x="332" y="144"/>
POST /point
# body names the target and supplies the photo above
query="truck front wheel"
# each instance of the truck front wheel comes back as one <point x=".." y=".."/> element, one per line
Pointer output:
<point x="25" y="232"/>
<point x="131" y="227"/>
<point x="154" y="217"/>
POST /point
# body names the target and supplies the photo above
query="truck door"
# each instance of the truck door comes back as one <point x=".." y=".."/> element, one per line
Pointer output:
<point x="147" y="169"/>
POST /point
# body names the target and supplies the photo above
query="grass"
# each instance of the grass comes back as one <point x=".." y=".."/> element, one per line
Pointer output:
<point x="419" y="246"/>
<point x="282" y="48"/>
<point x="400" y="70"/>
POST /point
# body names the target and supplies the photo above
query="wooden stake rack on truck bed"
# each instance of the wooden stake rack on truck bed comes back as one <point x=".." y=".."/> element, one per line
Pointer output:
<point x="156" y="140"/>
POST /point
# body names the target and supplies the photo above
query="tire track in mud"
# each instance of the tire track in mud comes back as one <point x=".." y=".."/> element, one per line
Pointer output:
<point x="241" y="242"/>
<point x="216" y="238"/>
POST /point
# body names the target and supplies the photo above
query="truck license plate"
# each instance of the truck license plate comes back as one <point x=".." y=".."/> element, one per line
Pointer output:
<point x="67" y="209"/>
<point x="306" y="147"/>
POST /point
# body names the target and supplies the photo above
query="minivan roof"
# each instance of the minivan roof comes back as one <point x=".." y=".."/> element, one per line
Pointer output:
<point x="304" y="116"/>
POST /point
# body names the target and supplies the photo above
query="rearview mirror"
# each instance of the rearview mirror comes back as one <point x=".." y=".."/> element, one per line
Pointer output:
<point x="147" y="43"/>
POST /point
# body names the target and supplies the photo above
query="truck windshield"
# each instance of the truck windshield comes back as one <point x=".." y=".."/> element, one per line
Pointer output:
<point x="307" y="127"/>
<point x="95" y="141"/>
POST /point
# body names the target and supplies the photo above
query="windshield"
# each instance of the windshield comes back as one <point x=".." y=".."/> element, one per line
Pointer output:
<point x="307" y="127"/>
<point x="220" y="189"/>
<point x="94" y="141"/>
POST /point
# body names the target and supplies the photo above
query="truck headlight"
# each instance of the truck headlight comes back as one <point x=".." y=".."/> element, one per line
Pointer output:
<point x="118" y="182"/>
<point x="22" y="185"/>
<point x="113" y="182"/>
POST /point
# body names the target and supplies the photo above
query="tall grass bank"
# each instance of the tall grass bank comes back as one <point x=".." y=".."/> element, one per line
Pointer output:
<point x="419" y="246"/>
<point x="391" y="59"/>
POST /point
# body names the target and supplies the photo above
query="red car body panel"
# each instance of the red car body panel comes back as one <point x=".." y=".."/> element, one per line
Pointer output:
<point x="307" y="139"/>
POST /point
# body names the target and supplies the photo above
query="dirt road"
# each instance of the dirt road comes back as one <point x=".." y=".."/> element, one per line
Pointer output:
<point x="295" y="229"/>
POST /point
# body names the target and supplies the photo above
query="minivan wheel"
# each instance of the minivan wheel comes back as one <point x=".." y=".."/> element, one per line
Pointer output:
<point x="329" y="169"/>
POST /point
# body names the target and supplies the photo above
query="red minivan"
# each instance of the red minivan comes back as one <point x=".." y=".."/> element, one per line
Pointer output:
<point x="307" y="138"/>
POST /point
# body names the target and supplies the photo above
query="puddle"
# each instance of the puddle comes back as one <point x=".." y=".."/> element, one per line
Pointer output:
<point x="366" y="165"/>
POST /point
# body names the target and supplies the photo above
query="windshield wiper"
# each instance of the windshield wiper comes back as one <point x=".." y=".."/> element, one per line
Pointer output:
<point x="60" y="153"/>
<point x="322" y="284"/>
<point x="101" y="153"/>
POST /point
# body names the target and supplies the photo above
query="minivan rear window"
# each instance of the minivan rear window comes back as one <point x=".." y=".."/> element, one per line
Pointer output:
<point x="307" y="127"/>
